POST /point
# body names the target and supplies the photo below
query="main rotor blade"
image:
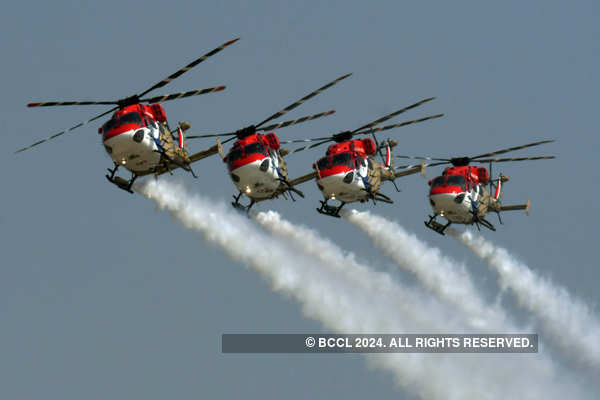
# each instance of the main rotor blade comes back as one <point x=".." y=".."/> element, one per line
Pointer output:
<point x="424" y="158"/>
<point x="516" y="159"/>
<point x="302" y="100"/>
<point x="68" y="103"/>
<point x="181" y="95"/>
<point x="311" y="146"/>
<point x="386" y="117"/>
<point x="188" y="67"/>
<point x="67" y="130"/>
<point x="305" y="140"/>
<point x="297" y="121"/>
<point x="511" y="149"/>
<point x="426" y="165"/>
<point x="385" y="128"/>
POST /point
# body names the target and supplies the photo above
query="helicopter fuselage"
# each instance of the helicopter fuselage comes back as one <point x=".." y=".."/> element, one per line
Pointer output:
<point x="256" y="166"/>
<point x="349" y="172"/>
<point x="134" y="149"/>
<point x="345" y="183"/>
<point x="460" y="195"/>
<point x="137" y="138"/>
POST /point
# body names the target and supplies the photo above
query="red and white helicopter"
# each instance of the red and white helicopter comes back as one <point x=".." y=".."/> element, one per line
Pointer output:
<point x="255" y="161"/>
<point x="138" y="137"/>
<point x="349" y="171"/>
<point x="460" y="195"/>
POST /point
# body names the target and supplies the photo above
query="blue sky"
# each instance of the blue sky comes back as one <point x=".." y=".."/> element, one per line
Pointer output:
<point x="102" y="296"/>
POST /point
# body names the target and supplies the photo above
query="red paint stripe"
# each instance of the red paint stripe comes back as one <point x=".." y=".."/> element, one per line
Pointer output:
<point x="336" y="169"/>
<point x="246" y="160"/>
<point x="446" y="190"/>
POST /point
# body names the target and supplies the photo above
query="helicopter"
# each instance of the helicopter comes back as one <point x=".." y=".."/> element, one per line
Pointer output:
<point x="137" y="136"/>
<point x="460" y="195"/>
<point x="255" y="161"/>
<point x="349" y="172"/>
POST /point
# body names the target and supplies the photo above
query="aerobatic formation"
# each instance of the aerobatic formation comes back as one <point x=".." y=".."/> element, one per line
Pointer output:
<point x="345" y="294"/>
<point x="139" y="138"/>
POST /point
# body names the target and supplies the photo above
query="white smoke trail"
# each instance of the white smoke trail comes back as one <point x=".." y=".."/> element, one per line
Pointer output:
<point x="347" y="305"/>
<point x="409" y="301"/>
<point x="438" y="274"/>
<point x="569" y="321"/>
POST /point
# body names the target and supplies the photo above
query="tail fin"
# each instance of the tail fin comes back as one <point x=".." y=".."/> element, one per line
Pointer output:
<point x="388" y="157"/>
<point x="498" y="189"/>
<point x="180" y="137"/>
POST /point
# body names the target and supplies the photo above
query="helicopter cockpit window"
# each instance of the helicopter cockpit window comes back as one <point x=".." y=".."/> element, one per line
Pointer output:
<point x="323" y="163"/>
<point x="254" y="148"/>
<point x="360" y="161"/>
<point x="234" y="155"/>
<point x="342" y="159"/>
<point x="149" y="122"/>
<point x="108" y="125"/>
<point x="439" y="181"/>
<point x="130" y="118"/>
<point x="457" y="180"/>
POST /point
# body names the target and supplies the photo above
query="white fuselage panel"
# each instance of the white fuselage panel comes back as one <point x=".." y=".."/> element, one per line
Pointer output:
<point x="132" y="152"/>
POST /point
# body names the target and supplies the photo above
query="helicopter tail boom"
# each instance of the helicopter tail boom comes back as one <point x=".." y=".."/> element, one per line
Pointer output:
<point x="517" y="207"/>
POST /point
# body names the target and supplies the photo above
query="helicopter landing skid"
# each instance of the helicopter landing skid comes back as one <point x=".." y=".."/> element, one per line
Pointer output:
<point x="436" y="226"/>
<point x="332" y="211"/>
<point x="120" y="182"/>
<point x="242" y="208"/>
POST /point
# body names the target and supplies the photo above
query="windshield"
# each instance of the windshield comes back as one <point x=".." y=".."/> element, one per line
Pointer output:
<point x="439" y="181"/>
<point x="254" y="148"/>
<point x="234" y="155"/>
<point x="457" y="180"/>
<point x="108" y="125"/>
<point x="130" y="118"/>
<point x="342" y="159"/>
<point x="323" y="163"/>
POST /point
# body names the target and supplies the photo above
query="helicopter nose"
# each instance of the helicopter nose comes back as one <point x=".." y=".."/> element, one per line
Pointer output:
<point x="336" y="184"/>
<point x="443" y="201"/>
